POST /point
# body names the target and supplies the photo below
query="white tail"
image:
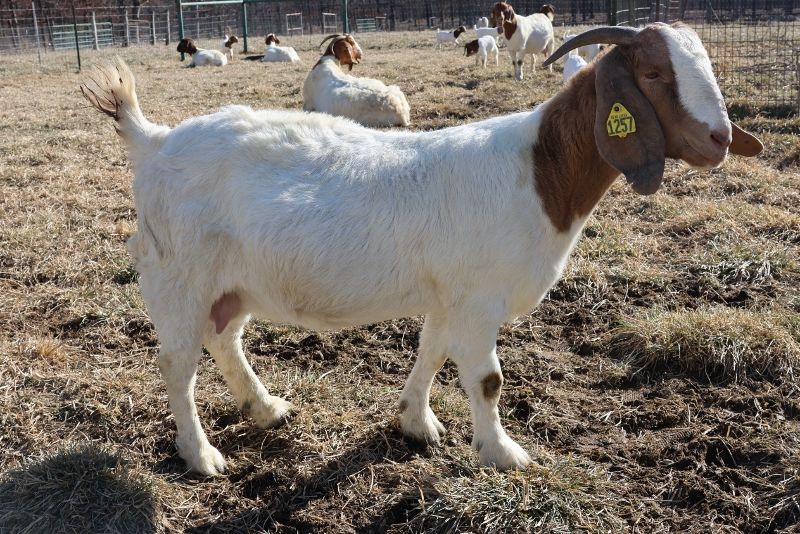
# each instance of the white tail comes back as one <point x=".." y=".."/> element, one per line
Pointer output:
<point x="111" y="88"/>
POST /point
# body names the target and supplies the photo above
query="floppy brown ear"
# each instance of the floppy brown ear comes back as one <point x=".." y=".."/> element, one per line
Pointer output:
<point x="744" y="143"/>
<point x="634" y="147"/>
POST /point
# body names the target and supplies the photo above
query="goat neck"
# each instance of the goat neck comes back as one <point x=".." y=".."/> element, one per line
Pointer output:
<point x="570" y="176"/>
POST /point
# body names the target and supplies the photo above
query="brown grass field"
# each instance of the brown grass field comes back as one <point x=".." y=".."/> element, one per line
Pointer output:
<point x="656" y="386"/>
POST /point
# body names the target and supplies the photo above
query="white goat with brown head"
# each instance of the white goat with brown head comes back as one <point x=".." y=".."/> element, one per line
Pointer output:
<point x="329" y="89"/>
<point x="314" y="220"/>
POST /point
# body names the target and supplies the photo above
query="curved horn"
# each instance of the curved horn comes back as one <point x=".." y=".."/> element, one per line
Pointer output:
<point x="618" y="35"/>
<point x="332" y="36"/>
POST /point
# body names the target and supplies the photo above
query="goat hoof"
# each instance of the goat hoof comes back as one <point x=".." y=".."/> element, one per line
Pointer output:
<point x="504" y="454"/>
<point x="425" y="427"/>
<point x="206" y="461"/>
<point x="270" y="411"/>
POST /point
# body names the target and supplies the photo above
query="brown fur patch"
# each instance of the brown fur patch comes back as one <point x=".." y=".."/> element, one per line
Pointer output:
<point x="490" y="385"/>
<point x="458" y="31"/>
<point x="471" y="48"/>
<point x="403" y="406"/>
<point x="272" y="39"/>
<point x="186" y="46"/>
<point x="232" y="40"/>
<point x="503" y="16"/>
<point x="570" y="175"/>
<point x="549" y="10"/>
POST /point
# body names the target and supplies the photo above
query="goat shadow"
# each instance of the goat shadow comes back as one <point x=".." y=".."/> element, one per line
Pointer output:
<point x="281" y="511"/>
<point x="82" y="489"/>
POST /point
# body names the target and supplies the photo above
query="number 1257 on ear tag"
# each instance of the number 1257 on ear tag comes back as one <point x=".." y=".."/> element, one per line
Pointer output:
<point x="620" y="122"/>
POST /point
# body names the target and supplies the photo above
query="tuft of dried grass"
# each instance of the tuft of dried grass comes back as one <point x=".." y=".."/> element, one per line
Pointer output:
<point x="717" y="342"/>
<point x="552" y="495"/>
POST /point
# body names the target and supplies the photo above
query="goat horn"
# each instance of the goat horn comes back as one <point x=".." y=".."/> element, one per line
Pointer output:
<point x="618" y="35"/>
<point x="332" y="36"/>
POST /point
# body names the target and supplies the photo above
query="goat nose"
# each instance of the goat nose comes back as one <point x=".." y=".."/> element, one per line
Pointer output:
<point x="721" y="137"/>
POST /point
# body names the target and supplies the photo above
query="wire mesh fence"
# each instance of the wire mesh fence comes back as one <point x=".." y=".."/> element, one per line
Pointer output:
<point x="754" y="44"/>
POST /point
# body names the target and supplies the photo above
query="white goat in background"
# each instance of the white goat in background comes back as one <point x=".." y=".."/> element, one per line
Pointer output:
<point x="314" y="220"/>
<point x="329" y="89"/>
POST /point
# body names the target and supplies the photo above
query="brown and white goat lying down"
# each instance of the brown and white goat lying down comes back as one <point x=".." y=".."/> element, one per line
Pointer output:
<point x="314" y="220"/>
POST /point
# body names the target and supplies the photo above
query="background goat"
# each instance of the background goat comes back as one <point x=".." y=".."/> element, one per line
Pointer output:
<point x="291" y="216"/>
<point x="201" y="57"/>
<point x="330" y="90"/>
<point x="525" y="35"/>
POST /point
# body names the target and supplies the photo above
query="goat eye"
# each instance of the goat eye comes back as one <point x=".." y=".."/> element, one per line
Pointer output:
<point x="651" y="75"/>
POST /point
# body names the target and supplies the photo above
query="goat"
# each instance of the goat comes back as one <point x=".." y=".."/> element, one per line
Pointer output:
<point x="228" y="44"/>
<point x="483" y="47"/>
<point x="525" y="35"/>
<point x="572" y="65"/>
<point x="483" y="22"/>
<point x="330" y="90"/>
<point x="447" y="36"/>
<point x="201" y="57"/>
<point x="314" y="220"/>
<point x="587" y="52"/>
<point x="276" y="53"/>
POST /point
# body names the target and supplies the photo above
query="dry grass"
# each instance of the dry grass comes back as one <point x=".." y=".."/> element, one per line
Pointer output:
<point x="617" y="449"/>
<point x="715" y="342"/>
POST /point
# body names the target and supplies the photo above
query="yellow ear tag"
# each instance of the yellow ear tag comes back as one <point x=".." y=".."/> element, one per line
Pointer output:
<point x="620" y="122"/>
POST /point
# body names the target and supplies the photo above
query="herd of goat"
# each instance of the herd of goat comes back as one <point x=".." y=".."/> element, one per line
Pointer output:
<point x="314" y="220"/>
<point x="329" y="89"/>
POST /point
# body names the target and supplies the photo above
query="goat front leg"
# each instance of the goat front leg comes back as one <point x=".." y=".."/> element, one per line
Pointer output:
<point x="516" y="60"/>
<point x="417" y="420"/>
<point x="472" y="347"/>
<point x="251" y="395"/>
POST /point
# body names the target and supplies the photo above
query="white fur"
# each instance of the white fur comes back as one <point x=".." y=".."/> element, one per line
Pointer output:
<point x="697" y="88"/>
<point x="534" y="35"/>
<point x="572" y="65"/>
<point x="487" y="45"/>
<point x="445" y="36"/>
<point x="483" y="22"/>
<point x="587" y="52"/>
<point x="212" y="58"/>
<point x="491" y="32"/>
<point x="330" y="90"/>
<point x="275" y="53"/>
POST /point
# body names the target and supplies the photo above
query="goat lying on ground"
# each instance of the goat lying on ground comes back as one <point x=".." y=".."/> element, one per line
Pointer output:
<point x="290" y="216"/>
<point x="201" y="57"/>
<point x="525" y="35"/>
<point x="329" y="89"/>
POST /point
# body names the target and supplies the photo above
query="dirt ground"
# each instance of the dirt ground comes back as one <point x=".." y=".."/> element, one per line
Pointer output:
<point x="655" y="387"/>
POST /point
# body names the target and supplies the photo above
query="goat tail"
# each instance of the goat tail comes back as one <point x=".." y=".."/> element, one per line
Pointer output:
<point x="111" y="88"/>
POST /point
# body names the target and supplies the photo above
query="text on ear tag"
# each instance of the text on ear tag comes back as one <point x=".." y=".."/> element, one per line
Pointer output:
<point x="620" y="122"/>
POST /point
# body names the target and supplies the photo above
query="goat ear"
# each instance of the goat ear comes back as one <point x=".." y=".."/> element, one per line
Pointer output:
<point x="626" y="128"/>
<point x="744" y="143"/>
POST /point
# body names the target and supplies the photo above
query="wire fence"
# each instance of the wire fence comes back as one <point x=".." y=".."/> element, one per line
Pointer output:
<point x="754" y="44"/>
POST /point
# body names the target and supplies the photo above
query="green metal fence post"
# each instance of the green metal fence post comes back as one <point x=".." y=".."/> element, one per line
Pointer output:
<point x="345" y="19"/>
<point x="75" y="29"/>
<point x="244" y="25"/>
<point x="180" y="24"/>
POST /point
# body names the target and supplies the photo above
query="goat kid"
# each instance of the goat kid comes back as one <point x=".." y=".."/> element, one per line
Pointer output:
<point x="289" y="216"/>
<point x="448" y="36"/>
<point x="529" y="35"/>
<point x="483" y="47"/>
<point x="328" y="89"/>
<point x="201" y="57"/>
<point x="228" y="44"/>
<point x="275" y="53"/>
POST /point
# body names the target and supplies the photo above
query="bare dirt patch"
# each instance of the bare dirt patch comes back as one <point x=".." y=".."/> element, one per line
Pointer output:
<point x="619" y="445"/>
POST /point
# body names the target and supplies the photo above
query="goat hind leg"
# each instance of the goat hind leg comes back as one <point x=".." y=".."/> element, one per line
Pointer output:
<point x="250" y="394"/>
